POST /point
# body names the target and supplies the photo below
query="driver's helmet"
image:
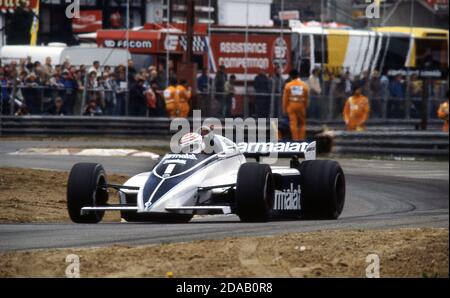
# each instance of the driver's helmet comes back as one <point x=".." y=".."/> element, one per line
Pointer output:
<point x="205" y="131"/>
<point x="208" y="136"/>
<point x="192" y="143"/>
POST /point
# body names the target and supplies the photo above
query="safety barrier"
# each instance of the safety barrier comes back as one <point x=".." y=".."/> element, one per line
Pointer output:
<point x="383" y="137"/>
<point x="397" y="143"/>
<point x="80" y="125"/>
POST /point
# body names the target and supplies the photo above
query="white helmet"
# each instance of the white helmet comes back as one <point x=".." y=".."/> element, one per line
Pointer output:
<point x="205" y="131"/>
<point x="192" y="143"/>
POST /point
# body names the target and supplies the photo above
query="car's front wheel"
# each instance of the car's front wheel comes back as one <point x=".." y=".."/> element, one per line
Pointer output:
<point x="254" y="192"/>
<point x="86" y="187"/>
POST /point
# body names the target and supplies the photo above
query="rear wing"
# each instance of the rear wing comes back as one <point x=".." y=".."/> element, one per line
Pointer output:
<point x="303" y="150"/>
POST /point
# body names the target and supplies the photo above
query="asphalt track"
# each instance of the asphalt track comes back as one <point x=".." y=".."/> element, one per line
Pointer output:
<point x="380" y="194"/>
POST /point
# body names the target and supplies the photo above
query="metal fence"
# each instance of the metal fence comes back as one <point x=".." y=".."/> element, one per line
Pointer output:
<point x="328" y="106"/>
<point x="40" y="100"/>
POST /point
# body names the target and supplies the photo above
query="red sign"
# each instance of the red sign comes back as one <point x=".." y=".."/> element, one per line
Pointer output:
<point x="149" y="41"/>
<point x="12" y="4"/>
<point x="136" y="41"/>
<point x="89" y="21"/>
<point x="289" y="15"/>
<point x="261" y="52"/>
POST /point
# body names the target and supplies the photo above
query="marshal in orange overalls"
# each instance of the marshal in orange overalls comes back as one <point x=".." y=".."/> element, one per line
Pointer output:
<point x="443" y="114"/>
<point x="295" y="102"/>
<point x="183" y="98"/>
<point x="356" y="112"/>
<point x="171" y="100"/>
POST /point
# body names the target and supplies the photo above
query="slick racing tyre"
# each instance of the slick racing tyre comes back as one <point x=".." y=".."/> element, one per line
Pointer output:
<point x="323" y="189"/>
<point x="84" y="189"/>
<point x="254" y="192"/>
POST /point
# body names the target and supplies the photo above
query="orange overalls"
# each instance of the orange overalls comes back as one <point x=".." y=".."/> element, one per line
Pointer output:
<point x="356" y="112"/>
<point x="443" y="114"/>
<point x="295" y="102"/>
<point x="183" y="99"/>
<point x="170" y="98"/>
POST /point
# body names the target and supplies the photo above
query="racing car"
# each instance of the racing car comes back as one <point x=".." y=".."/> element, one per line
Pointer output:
<point x="222" y="181"/>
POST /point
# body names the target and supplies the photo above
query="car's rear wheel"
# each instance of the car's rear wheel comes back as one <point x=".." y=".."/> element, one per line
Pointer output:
<point x="254" y="192"/>
<point x="85" y="188"/>
<point x="323" y="189"/>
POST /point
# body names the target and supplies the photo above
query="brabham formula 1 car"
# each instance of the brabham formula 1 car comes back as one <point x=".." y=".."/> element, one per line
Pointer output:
<point x="223" y="182"/>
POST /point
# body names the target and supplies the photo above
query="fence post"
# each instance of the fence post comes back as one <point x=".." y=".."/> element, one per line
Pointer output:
<point x="330" y="101"/>
<point x="83" y="97"/>
<point x="425" y="97"/>
<point x="42" y="99"/>
<point x="127" y="101"/>
<point x="408" y="97"/>
<point x="246" y="104"/>
<point x="12" y="97"/>
<point x="385" y="102"/>
<point x="272" y="100"/>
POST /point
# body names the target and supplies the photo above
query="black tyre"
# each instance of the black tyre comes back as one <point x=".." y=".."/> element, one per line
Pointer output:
<point x="254" y="192"/>
<point x="83" y="190"/>
<point x="323" y="189"/>
<point x="129" y="216"/>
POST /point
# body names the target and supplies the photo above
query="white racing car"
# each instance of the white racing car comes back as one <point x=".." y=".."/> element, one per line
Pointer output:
<point x="222" y="182"/>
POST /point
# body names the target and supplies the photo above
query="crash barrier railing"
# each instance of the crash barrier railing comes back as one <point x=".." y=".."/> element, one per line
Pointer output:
<point x="82" y="125"/>
<point x="395" y="144"/>
<point x="383" y="137"/>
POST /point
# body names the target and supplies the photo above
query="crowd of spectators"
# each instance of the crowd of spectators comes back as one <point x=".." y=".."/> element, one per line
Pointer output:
<point x="65" y="89"/>
<point x="395" y="97"/>
<point x="390" y="97"/>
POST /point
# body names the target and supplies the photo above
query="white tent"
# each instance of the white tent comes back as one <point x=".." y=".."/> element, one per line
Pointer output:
<point x="75" y="55"/>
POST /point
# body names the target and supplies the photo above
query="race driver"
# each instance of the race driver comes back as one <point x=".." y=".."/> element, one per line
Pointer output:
<point x="295" y="103"/>
<point x="192" y="143"/>
<point x="202" y="141"/>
